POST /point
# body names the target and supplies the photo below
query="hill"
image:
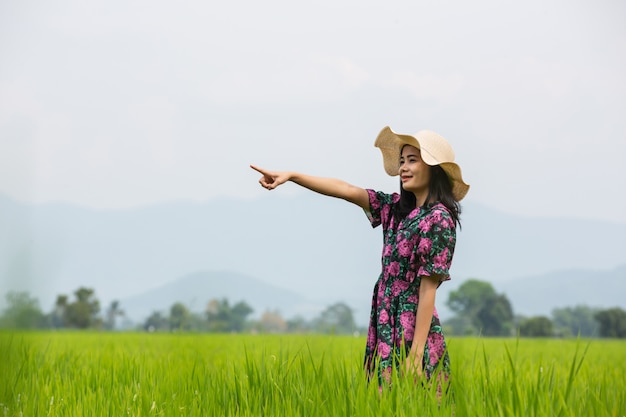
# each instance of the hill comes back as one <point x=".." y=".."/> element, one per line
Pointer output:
<point x="539" y="295"/>
<point x="306" y="244"/>
<point x="197" y="289"/>
<point x="530" y="296"/>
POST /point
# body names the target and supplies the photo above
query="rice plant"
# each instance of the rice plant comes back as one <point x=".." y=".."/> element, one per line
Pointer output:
<point x="113" y="374"/>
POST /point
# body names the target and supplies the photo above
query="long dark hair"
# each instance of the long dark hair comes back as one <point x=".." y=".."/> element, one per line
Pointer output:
<point x="439" y="190"/>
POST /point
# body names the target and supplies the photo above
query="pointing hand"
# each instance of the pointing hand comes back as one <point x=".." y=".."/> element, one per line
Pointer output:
<point x="271" y="179"/>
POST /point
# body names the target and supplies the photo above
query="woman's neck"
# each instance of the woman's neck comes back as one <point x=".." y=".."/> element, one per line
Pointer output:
<point x="420" y="199"/>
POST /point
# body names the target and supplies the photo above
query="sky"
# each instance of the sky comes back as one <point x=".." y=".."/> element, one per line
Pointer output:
<point x="118" y="104"/>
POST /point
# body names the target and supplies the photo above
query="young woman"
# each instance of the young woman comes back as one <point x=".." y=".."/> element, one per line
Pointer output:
<point x="419" y="232"/>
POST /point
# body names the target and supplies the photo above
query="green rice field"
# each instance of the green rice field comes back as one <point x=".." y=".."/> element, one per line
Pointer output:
<point x="140" y="374"/>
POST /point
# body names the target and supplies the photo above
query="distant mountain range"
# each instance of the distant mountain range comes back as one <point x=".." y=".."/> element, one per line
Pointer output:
<point x="530" y="296"/>
<point x="317" y="250"/>
<point x="540" y="294"/>
<point x="197" y="289"/>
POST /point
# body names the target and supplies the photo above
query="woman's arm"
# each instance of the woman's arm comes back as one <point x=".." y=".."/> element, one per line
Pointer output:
<point x="327" y="186"/>
<point x="423" y="319"/>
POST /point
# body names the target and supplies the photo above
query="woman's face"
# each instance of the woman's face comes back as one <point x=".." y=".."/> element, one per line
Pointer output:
<point x="413" y="171"/>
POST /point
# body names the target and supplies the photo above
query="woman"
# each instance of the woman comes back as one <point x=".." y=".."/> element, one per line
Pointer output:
<point x="419" y="230"/>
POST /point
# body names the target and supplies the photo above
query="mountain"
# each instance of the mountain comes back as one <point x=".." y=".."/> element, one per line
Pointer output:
<point x="321" y="248"/>
<point x="530" y="296"/>
<point x="196" y="289"/>
<point x="539" y="295"/>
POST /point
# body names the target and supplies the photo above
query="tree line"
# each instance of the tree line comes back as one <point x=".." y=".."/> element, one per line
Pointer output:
<point x="481" y="311"/>
<point x="84" y="312"/>
<point x="478" y="308"/>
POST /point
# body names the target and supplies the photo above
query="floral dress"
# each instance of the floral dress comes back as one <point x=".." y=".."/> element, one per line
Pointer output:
<point x="420" y="245"/>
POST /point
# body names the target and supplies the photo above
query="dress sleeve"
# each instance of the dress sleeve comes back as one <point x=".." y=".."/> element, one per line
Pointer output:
<point x="380" y="207"/>
<point x="437" y="242"/>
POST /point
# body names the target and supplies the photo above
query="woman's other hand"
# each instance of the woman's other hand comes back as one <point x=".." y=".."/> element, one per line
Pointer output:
<point x="413" y="365"/>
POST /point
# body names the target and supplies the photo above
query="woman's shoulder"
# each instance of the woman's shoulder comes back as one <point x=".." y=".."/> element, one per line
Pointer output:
<point x="438" y="214"/>
<point x="439" y="209"/>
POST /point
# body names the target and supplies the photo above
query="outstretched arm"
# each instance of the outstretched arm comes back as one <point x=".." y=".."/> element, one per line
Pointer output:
<point x="327" y="186"/>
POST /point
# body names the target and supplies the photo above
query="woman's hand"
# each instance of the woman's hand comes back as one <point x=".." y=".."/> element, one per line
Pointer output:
<point x="271" y="179"/>
<point x="413" y="365"/>
<point x="423" y="318"/>
<point x="327" y="186"/>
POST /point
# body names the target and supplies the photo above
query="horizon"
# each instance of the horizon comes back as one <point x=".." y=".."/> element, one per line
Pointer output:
<point x="288" y="195"/>
<point x="313" y="306"/>
<point x="121" y="253"/>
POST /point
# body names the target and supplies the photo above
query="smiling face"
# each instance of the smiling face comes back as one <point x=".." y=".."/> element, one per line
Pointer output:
<point x="414" y="173"/>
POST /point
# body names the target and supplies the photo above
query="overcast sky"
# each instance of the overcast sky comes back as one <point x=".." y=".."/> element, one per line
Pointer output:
<point x="115" y="104"/>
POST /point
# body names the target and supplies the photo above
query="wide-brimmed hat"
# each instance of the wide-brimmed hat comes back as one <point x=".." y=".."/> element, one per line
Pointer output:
<point x="434" y="150"/>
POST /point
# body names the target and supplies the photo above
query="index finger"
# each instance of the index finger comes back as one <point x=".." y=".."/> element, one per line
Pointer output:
<point x="259" y="170"/>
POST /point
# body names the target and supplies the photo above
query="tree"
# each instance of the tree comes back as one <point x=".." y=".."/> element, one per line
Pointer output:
<point x="179" y="317"/>
<point x="576" y="321"/>
<point x="22" y="312"/>
<point x="298" y="324"/>
<point x="156" y="322"/>
<point x="539" y="326"/>
<point x="337" y="318"/>
<point x="57" y="317"/>
<point x="496" y="316"/>
<point x="239" y="314"/>
<point x="112" y="313"/>
<point x="222" y="318"/>
<point x="612" y="322"/>
<point x="83" y="312"/>
<point x="470" y="297"/>
<point x="218" y="315"/>
<point x="460" y="325"/>
<point x="486" y="310"/>
<point x="272" y="322"/>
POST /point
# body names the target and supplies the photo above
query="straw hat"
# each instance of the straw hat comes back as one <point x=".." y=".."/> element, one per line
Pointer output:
<point x="434" y="150"/>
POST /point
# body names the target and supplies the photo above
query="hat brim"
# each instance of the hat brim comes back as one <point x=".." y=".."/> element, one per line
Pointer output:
<point x="459" y="187"/>
<point x="390" y="144"/>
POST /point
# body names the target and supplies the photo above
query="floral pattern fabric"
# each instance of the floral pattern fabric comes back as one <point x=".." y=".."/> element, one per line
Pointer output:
<point x="420" y="245"/>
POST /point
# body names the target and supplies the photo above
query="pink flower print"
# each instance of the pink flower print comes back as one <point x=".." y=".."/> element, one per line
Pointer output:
<point x="408" y="336"/>
<point x="384" y="350"/>
<point x="435" y="347"/>
<point x="412" y="298"/>
<point x="394" y="269"/>
<point x="374" y="201"/>
<point x="425" y="225"/>
<point x="384" y="213"/>
<point x="381" y="291"/>
<point x="440" y="261"/>
<point x="405" y="248"/>
<point x="383" y="317"/>
<point x="387" y="250"/>
<point x="436" y="217"/>
<point x="407" y="321"/>
<point x="424" y="246"/>
<point x="398" y="286"/>
<point x="410" y="276"/>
